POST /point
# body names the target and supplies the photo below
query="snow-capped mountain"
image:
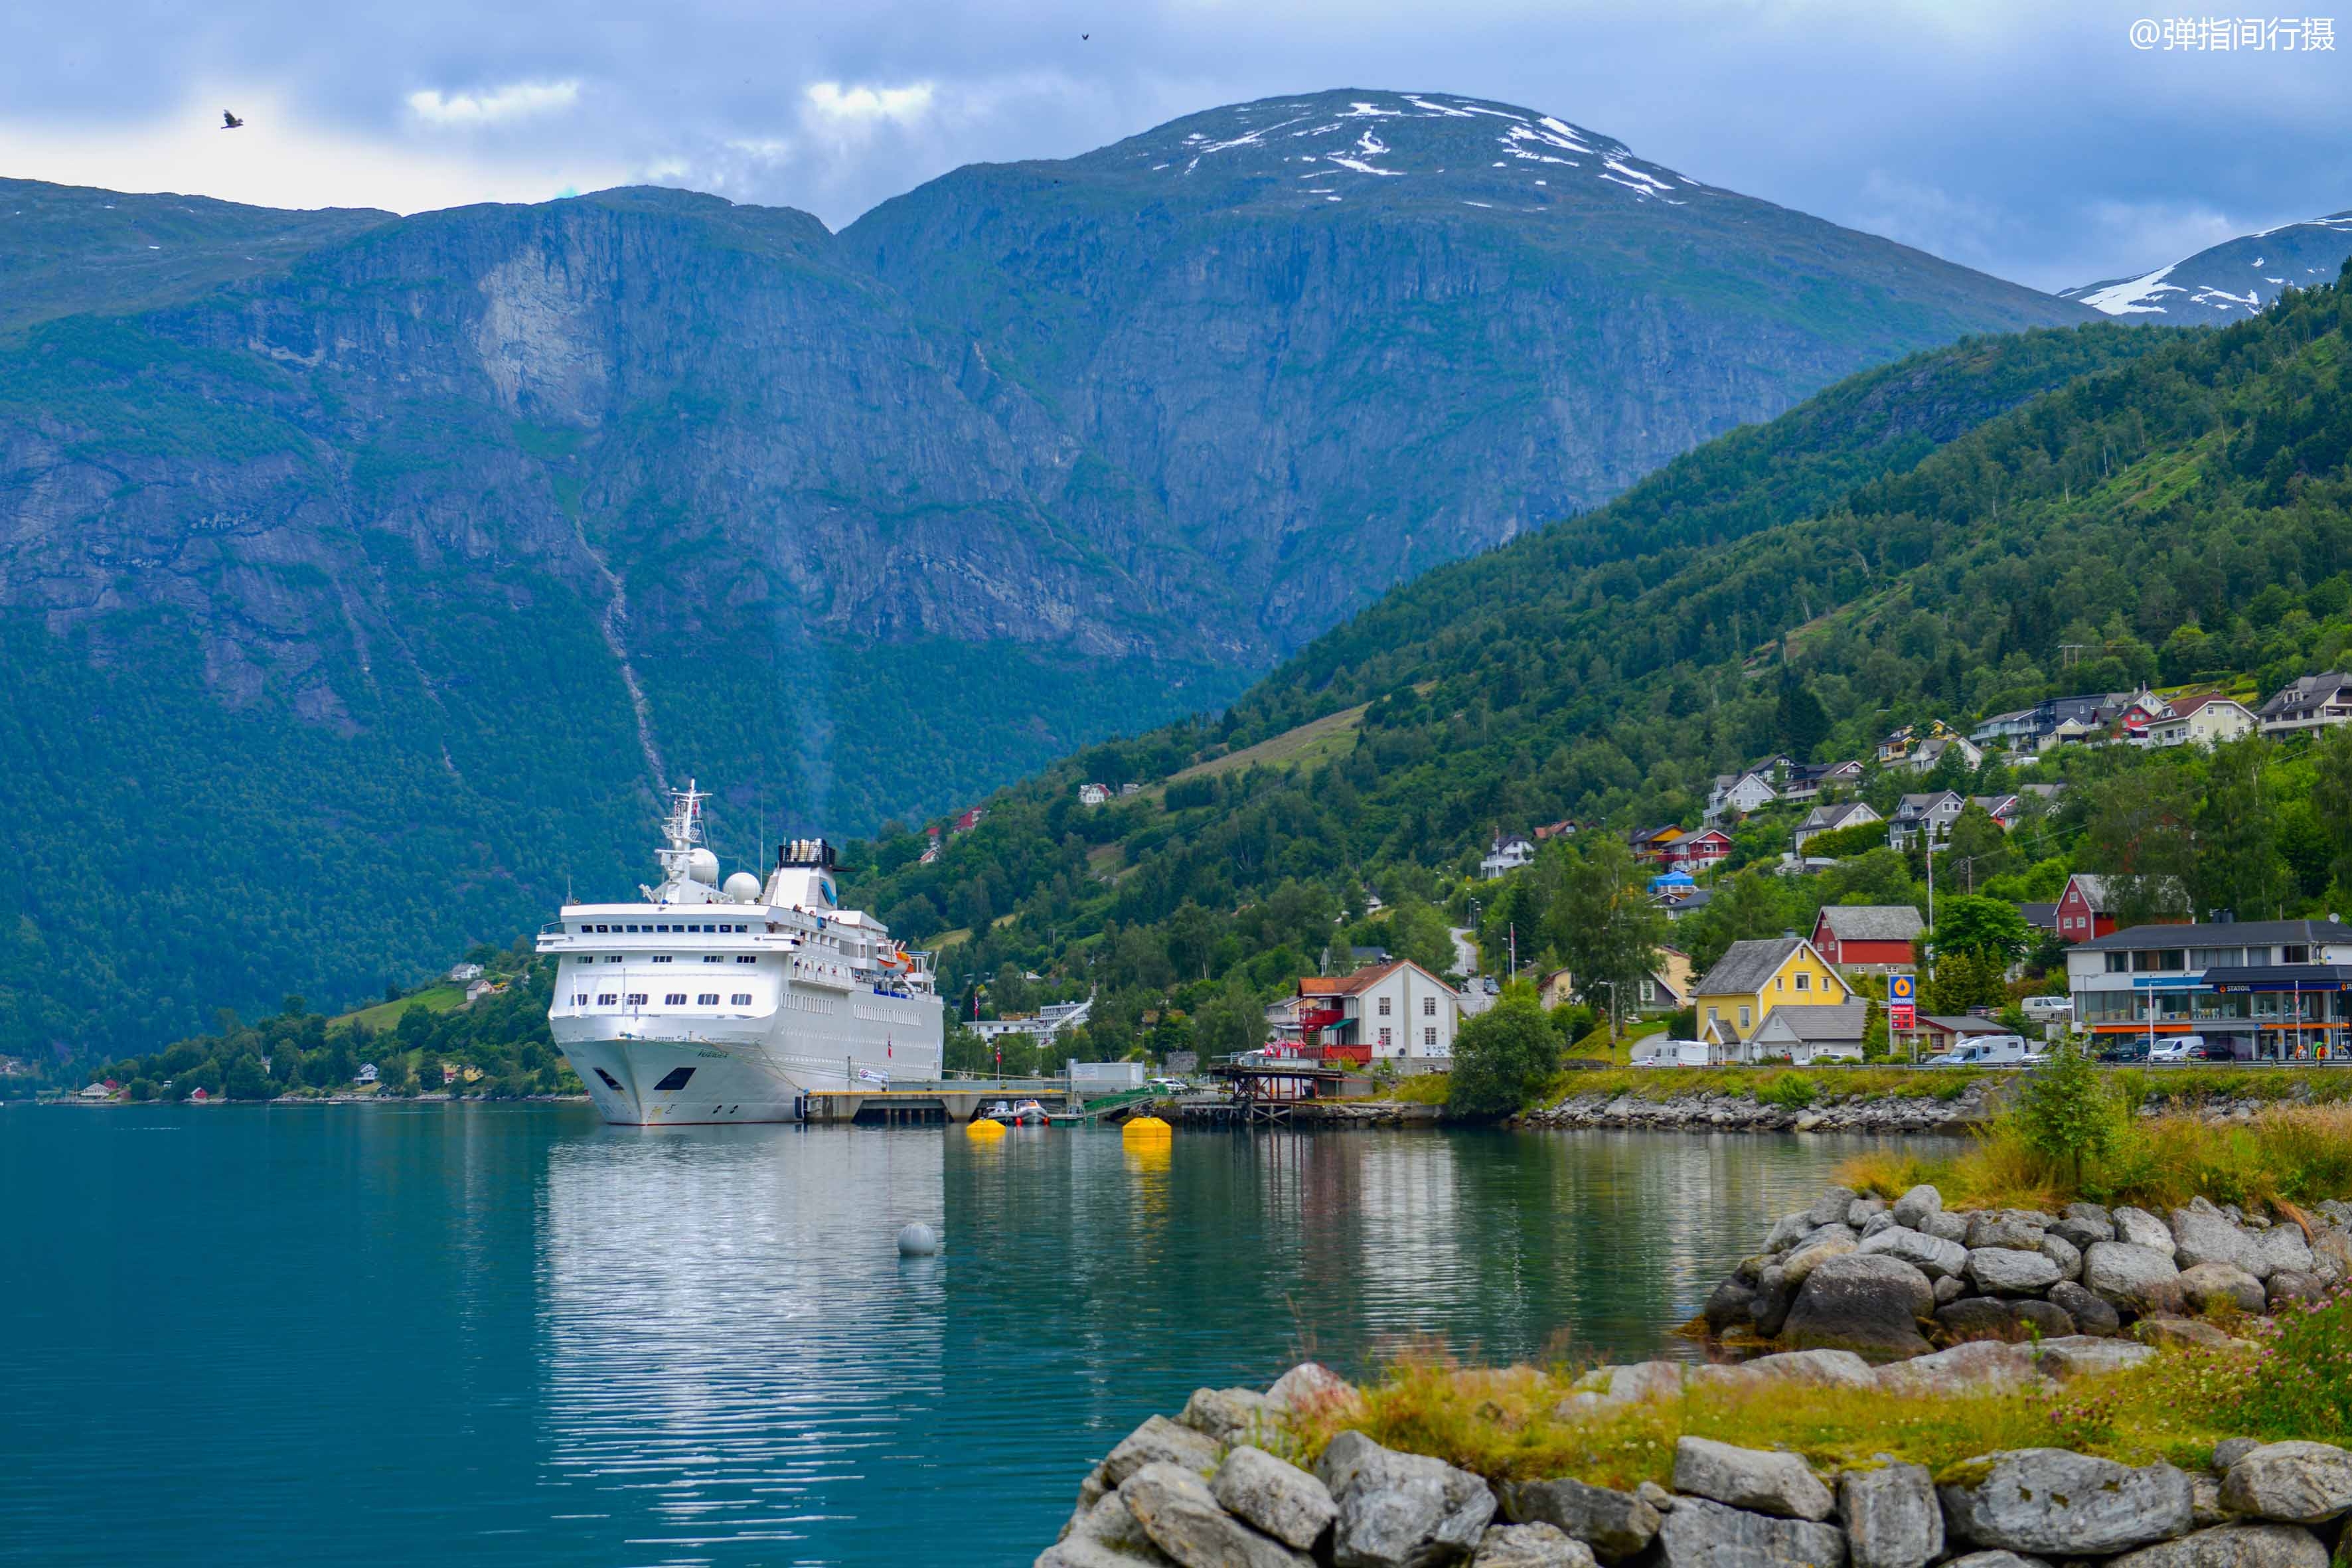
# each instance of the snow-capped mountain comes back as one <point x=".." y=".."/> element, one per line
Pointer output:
<point x="2231" y="280"/>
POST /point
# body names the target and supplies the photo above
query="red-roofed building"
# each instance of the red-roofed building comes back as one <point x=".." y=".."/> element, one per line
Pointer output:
<point x="1390" y="1011"/>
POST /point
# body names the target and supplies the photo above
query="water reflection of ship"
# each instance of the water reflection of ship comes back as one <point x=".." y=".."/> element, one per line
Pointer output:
<point x="730" y="1336"/>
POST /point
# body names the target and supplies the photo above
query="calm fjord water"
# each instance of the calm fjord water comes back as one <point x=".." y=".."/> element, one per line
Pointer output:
<point x="512" y="1335"/>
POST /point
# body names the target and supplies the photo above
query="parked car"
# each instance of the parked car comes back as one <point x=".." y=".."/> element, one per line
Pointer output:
<point x="2048" y="1009"/>
<point x="2212" y="1051"/>
<point x="2175" y="1047"/>
<point x="2129" y="1051"/>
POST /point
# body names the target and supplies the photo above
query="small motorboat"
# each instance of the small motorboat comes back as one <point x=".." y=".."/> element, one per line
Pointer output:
<point x="1019" y="1114"/>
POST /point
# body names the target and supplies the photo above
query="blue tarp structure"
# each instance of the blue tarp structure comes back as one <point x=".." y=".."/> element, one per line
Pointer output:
<point x="1672" y="879"/>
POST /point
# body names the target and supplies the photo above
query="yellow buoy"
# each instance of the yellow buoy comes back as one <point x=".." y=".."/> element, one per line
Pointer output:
<point x="1146" y="1127"/>
<point x="983" y="1129"/>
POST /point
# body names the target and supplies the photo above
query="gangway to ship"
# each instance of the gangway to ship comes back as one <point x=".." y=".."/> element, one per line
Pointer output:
<point x="916" y="1101"/>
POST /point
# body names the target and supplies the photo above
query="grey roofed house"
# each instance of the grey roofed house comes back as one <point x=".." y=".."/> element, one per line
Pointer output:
<point x="1872" y="923"/>
<point x="2040" y="916"/>
<point x="1745" y="967"/>
<point x="1806" y="1032"/>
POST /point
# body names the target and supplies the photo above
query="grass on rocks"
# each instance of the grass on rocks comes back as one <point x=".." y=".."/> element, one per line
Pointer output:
<point x="2286" y="1155"/>
<point x="1791" y="1087"/>
<point x="1508" y="1424"/>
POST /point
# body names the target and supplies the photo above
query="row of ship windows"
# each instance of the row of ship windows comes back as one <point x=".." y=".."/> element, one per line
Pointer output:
<point x="586" y="929"/>
<point x="665" y="958"/>
<point x="674" y="999"/>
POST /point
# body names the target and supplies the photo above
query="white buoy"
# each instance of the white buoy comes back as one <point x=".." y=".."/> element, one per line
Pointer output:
<point x="918" y="1240"/>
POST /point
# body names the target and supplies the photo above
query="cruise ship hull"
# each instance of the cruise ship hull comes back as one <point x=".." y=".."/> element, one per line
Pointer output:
<point x="636" y="1083"/>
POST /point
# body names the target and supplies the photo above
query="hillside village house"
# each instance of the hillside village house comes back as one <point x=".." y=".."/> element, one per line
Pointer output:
<point x="1806" y="780"/>
<point x="2085" y="907"/>
<point x="1508" y="854"/>
<point x="1919" y="749"/>
<point x="1868" y="939"/>
<point x="1395" y="1011"/>
<point x="1828" y="1031"/>
<point x="2204" y="722"/>
<point x="1831" y="819"/>
<point x="1935" y="814"/>
<point x="2061" y="721"/>
<point x="1094" y="794"/>
<point x="2310" y="703"/>
<point x="1735" y="997"/>
<point x="1667" y="988"/>
<point x="2270" y="990"/>
<point x="1737" y="795"/>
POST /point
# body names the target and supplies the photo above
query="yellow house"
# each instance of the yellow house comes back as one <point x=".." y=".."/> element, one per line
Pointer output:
<point x="1735" y="997"/>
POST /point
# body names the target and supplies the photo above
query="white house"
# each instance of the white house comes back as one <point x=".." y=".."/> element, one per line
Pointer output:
<point x="1507" y="856"/>
<point x="1739" y="794"/>
<point x="367" y="1073"/>
<point x="1094" y="794"/>
<point x="2202" y="722"/>
<point x="1823" y="1032"/>
<point x="1391" y="1012"/>
<point x="461" y="972"/>
<point x="1932" y="814"/>
<point x="2309" y="703"/>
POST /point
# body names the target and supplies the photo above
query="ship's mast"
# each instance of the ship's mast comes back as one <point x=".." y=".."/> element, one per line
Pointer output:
<point x="681" y="832"/>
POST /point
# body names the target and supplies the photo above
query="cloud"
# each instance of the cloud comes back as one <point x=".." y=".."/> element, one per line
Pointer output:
<point x="516" y="100"/>
<point x="858" y="106"/>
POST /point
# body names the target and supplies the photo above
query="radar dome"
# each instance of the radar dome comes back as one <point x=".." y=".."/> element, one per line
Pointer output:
<point x="703" y="867"/>
<point x="743" y="888"/>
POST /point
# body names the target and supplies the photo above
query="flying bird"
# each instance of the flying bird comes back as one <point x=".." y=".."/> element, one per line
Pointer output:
<point x="1084" y="37"/>
<point x="230" y="122"/>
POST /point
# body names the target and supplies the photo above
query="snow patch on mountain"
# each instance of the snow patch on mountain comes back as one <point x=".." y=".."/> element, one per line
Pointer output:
<point x="2212" y="286"/>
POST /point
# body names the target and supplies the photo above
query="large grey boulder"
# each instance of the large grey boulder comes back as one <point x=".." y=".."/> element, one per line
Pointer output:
<point x="2204" y="1234"/>
<point x="1643" y="1381"/>
<point x="2064" y="1254"/>
<point x="1831" y="1207"/>
<point x="1786" y="1230"/>
<point x="2281" y="1249"/>
<point x="1106" y="1535"/>
<point x="2007" y="1228"/>
<point x="1231" y="1414"/>
<point x="2005" y="1271"/>
<point x="1774" y="1297"/>
<point x="1182" y="1519"/>
<point x="2131" y="1278"/>
<point x="1823" y="1369"/>
<point x="2083" y="1224"/>
<point x="1860" y="1213"/>
<point x="2285" y="1288"/>
<point x="2084" y="1355"/>
<point x="1918" y="1204"/>
<point x="1931" y="1256"/>
<point x="2232" y="1546"/>
<point x="1703" y="1534"/>
<point x="1616" y="1524"/>
<point x="1400" y="1510"/>
<point x="2137" y="1227"/>
<point x="1731" y="1306"/>
<point x="1994" y="1559"/>
<point x="1801" y="1259"/>
<point x="2205" y="1286"/>
<point x="1976" y="1367"/>
<point x="2092" y="1315"/>
<point x="1311" y="1387"/>
<point x="1952" y="1226"/>
<point x="1863" y="1301"/>
<point x="1756" y="1479"/>
<point x="2058" y="1503"/>
<point x="2300" y="1483"/>
<point x="1530" y="1546"/>
<point x="1276" y="1496"/>
<point x="1160" y="1441"/>
<point x="1893" y="1519"/>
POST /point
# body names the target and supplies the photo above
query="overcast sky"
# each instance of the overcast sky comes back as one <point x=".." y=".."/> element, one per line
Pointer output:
<point x="2034" y="140"/>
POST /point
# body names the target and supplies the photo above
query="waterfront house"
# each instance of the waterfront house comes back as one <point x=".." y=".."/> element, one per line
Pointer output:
<point x="1831" y="819"/>
<point x="2270" y="990"/>
<point x="1867" y="939"/>
<point x="2311" y="702"/>
<point x="94" y="1091"/>
<point x="2202" y="722"/>
<point x="367" y="1073"/>
<point x="1818" y="1031"/>
<point x="1391" y="1011"/>
<point x="1752" y="978"/>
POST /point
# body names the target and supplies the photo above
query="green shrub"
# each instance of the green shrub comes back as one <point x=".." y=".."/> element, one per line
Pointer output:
<point x="1790" y="1091"/>
<point x="1502" y="1058"/>
<point x="2302" y="1387"/>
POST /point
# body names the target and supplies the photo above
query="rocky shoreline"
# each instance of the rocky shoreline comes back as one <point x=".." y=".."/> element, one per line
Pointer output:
<point x="1862" y="1274"/>
<point x="1218" y="1486"/>
<point x="1709" y="1112"/>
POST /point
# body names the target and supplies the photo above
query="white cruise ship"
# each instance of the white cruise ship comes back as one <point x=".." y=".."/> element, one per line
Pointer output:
<point x="707" y="1003"/>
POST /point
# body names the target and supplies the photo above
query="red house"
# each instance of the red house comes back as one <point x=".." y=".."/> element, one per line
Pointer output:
<point x="2082" y="908"/>
<point x="1697" y="851"/>
<point x="1867" y="939"/>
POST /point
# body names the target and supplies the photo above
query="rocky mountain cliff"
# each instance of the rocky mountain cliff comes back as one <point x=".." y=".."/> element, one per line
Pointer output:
<point x="360" y="578"/>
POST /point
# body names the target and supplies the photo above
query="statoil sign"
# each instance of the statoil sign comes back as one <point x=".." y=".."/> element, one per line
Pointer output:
<point x="1902" y="1001"/>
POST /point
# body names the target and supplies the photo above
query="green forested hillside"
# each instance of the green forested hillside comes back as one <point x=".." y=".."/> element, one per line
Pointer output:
<point x="2181" y="509"/>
